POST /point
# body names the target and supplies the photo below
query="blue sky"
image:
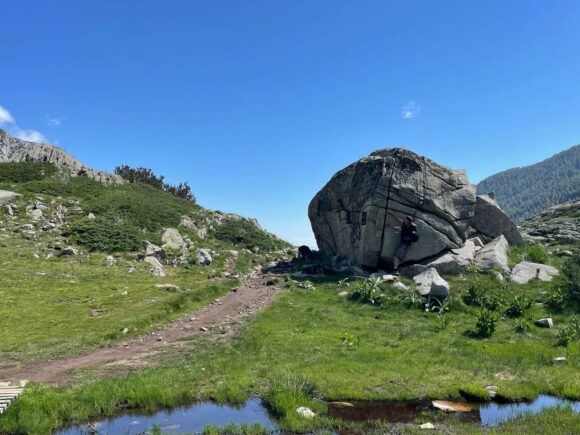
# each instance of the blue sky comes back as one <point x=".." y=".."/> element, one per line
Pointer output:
<point x="258" y="103"/>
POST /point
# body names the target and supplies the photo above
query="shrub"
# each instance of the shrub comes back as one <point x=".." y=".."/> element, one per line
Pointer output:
<point x="21" y="172"/>
<point x="556" y="299"/>
<point x="571" y="269"/>
<point x="569" y="333"/>
<point x="147" y="176"/>
<point x="517" y="305"/>
<point x="104" y="235"/>
<point x="486" y="323"/>
<point x="522" y="325"/>
<point x="484" y="296"/>
<point x="537" y="253"/>
<point x="246" y="234"/>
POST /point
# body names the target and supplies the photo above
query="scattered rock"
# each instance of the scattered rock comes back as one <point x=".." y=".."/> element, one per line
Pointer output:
<point x="152" y="250"/>
<point x="172" y="239"/>
<point x="494" y="255"/>
<point x="7" y="196"/>
<point x="110" y="261"/>
<point x="305" y="412"/>
<point x="36" y="214"/>
<point x="547" y="322"/>
<point x="525" y="271"/>
<point x="431" y="284"/>
<point x="157" y="269"/>
<point x="491" y="391"/>
<point x="565" y="253"/>
<point x="560" y="360"/>
<point x="69" y="251"/>
<point x="203" y="257"/>
<point x="427" y="426"/>
<point x="91" y="216"/>
<point x="399" y="285"/>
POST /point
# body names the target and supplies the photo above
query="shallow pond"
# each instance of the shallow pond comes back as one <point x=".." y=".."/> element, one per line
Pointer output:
<point x="195" y="417"/>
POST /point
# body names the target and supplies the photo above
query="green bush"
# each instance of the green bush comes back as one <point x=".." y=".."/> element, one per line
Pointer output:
<point x="247" y="234"/>
<point x="556" y="299"/>
<point x="104" y="235"/>
<point x="483" y="295"/>
<point x="522" y="325"/>
<point x="486" y="323"/>
<point x="517" y="304"/>
<point x="571" y="269"/>
<point x="21" y="172"/>
<point x="569" y="333"/>
<point x="369" y="291"/>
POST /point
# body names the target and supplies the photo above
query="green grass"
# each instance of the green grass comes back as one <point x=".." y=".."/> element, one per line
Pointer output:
<point x="62" y="306"/>
<point x="293" y="353"/>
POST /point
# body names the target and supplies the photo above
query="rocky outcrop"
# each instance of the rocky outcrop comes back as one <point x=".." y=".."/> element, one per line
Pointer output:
<point x="560" y="223"/>
<point x="356" y="215"/>
<point x="17" y="150"/>
<point x="490" y="220"/>
<point x="6" y="197"/>
<point x="172" y="239"/>
<point x="494" y="255"/>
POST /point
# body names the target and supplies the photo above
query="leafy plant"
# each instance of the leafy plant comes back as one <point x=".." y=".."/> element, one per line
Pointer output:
<point x="343" y="283"/>
<point x="307" y="285"/>
<point x="486" y="323"/>
<point x="517" y="305"/>
<point x="556" y="298"/>
<point x="442" y="321"/>
<point x="568" y="333"/>
<point x="483" y="296"/>
<point x="369" y="290"/>
<point x="348" y="339"/>
<point x="522" y="326"/>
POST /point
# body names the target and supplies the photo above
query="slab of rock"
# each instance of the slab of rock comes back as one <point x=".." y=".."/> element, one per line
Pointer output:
<point x="430" y="283"/>
<point x="489" y="219"/>
<point x="36" y="214"/>
<point x="69" y="251"/>
<point x="7" y="196"/>
<point x="494" y="255"/>
<point x="356" y="215"/>
<point x="172" y="239"/>
<point x="305" y="412"/>
<point x="152" y="250"/>
<point x="453" y="262"/>
<point x="525" y="271"/>
<point x="203" y="257"/>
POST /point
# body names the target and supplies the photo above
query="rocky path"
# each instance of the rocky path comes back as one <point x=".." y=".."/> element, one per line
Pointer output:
<point x="252" y="295"/>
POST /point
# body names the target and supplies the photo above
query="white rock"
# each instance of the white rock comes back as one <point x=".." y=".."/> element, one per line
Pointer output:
<point x="110" y="261"/>
<point x="427" y="426"/>
<point x="6" y="196"/>
<point x="36" y="214"/>
<point x="305" y="412"/>
<point x="157" y="267"/>
<point x="172" y="239"/>
<point x="430" y="283"/>
<point x="204" y="257"/>
<point x="91" y="216"/>
<point x="526" y="271"/>
<point x="547" y="322"/>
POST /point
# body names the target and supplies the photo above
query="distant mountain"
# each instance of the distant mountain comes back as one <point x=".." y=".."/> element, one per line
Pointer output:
<point x="524" y="192"/>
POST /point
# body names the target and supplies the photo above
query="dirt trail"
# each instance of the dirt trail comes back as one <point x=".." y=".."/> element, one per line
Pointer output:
<point x="252" y="295"/>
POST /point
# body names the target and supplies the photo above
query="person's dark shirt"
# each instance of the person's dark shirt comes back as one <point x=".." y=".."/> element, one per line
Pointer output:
<point x="408" y="232"/>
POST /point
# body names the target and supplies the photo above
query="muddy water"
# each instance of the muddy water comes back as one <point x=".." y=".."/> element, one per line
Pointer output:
<point x="195" y="417"/>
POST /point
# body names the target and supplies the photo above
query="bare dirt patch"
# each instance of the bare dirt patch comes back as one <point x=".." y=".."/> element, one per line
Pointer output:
<point x="252" y="295"/>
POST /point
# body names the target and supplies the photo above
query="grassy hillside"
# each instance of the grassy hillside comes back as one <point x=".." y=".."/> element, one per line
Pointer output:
<point x="524" y="192"/>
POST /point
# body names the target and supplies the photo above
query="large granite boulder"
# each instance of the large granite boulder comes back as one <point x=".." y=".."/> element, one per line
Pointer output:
<point x="525" y="271"/>
<point x="356" y="215"/>
<point x="489" y="219"/>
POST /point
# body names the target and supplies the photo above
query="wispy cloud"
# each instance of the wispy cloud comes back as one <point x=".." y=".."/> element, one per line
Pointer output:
<point x="7" y="121"/>
<point x="410" y="110"/>
<point x="54" y="121"/>
<point x="5" y="117"/>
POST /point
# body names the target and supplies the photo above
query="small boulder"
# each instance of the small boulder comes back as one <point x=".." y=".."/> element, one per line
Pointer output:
<point x="157" y="267"/>
<point x="36" y="214"/>
<point x="152" y="250"/>
<point x="494" y="255"/>
<point x="305" y="412"/>
<point x="110" y="261"/>
<point x="446" y="405"/>
<point x="91" y="216"/>
<point x="69" y="251"/>
<point x="547" y="322"/>
<point x="525" y="271"/>
<point x="430" y="283"/>
<point x="172" y="239"/>
<point x="203" y="257"/>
